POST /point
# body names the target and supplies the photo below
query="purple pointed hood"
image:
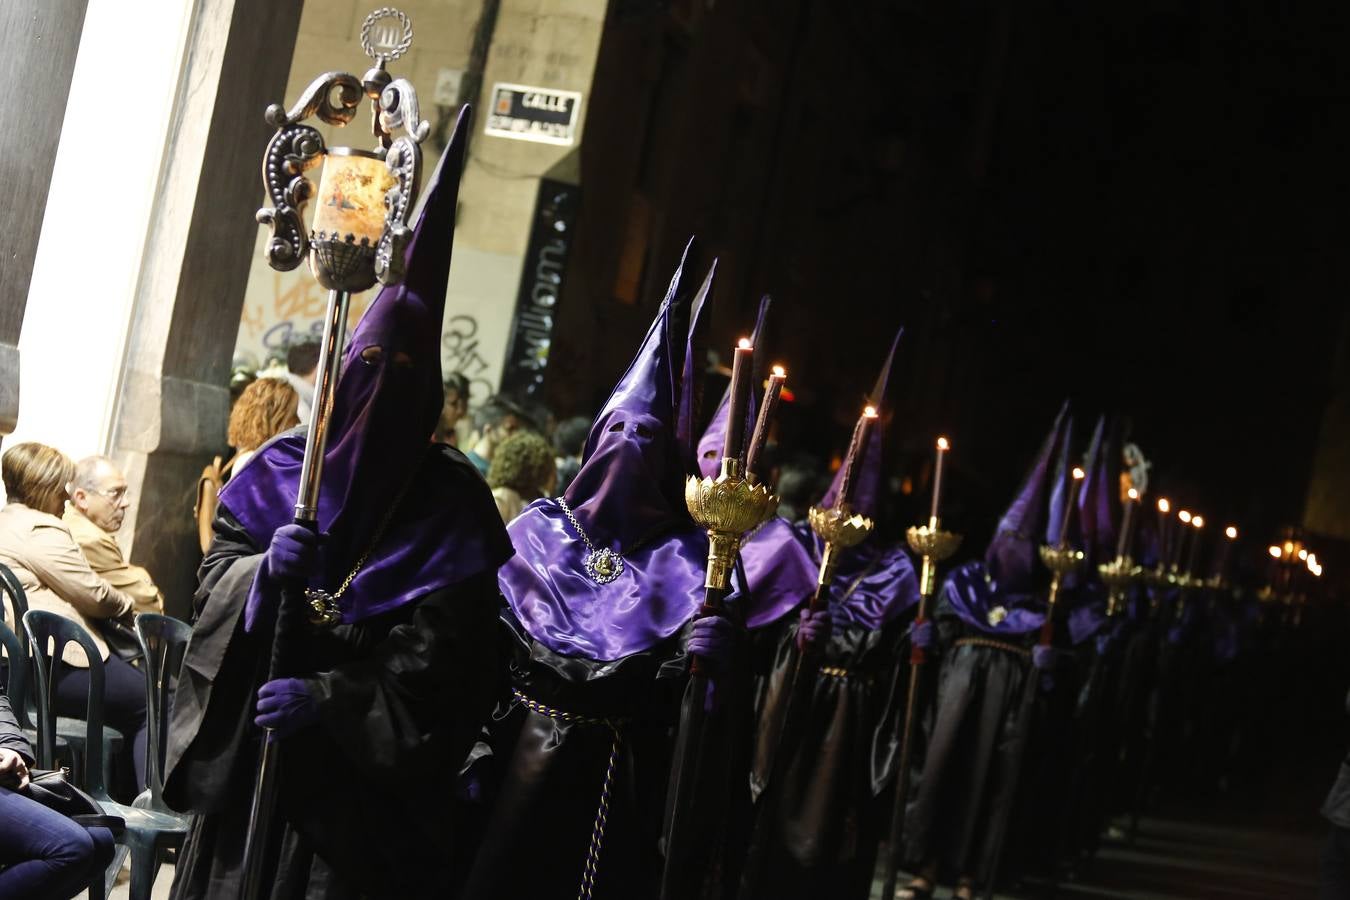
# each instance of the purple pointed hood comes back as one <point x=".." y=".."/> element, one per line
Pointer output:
<point x="691" y="387"/>
<point x="386" y="404"/>
<point x="1095" y="506"/>
<point x="1059" y="491"/>
<point x="714" y="436"/>
<point x="1011" y="558"/>
<point x="628" y="498"/>
<point x="867" y="477"/>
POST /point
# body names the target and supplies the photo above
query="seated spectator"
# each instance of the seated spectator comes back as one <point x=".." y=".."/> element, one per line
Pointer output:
<point x="454" y="408"/>
<point x="98" y="503"/>
<point x="39" y="548"/>
<point x="43" y="854"/>
<point x="522" y="471"/>
<point x="569" y="439"/>
<point x="497" y="419"/>
<point x="267" y="407"/>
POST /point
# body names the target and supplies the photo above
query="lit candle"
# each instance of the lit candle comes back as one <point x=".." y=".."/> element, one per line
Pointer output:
<point x="942" y="448"/>
<point x="1127" y="519"/>
<point x="1078" y="476"/>
<point x="1164" y="517"/>
<point x="856" y="447"/>
<point x="741" y="364"/>
<point x="760" y="436"/>
<point x="1179" y="550"/>
<point x="1193" y="565"/>
<point x="1221" y="567"/>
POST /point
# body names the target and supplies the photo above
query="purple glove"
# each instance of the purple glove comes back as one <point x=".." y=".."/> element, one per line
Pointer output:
<point x="712" y="641"/>
<point x="285" y="705"/>
<point x="813" y="630"/>
<point x="921" y="634"/>
<point x="293" y="552"/>
<point x="839" y="618"/>
<point x="1042" y="657"/>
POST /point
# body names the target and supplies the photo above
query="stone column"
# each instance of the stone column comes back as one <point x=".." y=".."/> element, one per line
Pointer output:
<point x="174" y="400"/>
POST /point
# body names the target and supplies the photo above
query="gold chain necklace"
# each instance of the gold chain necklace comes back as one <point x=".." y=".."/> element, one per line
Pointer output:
<point x="323" y="606"/>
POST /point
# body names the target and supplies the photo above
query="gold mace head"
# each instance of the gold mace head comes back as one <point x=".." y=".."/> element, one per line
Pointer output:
<point x="839" y="525"/>
<point x="1061" y="560"/>
<point x="933" y="543"/>
<point x="1119" y="573"/>
<point x="728" y="505"/>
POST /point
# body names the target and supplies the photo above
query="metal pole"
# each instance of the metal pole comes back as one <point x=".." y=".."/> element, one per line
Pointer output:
<point x="257" y="842"/>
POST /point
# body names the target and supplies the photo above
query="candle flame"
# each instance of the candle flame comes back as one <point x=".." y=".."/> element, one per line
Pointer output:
<point x="1231" y="532"/>
<point x="1198" y="521"/>
<point x="780" y="372"/>
<point x="744" y="344"/>
<point x="1312" y="558"/>
<point x="943" y="445"/>
<point x="1303" y="554"/>
<point x="1078" y="474"/>
<point x="1276" y="551"/>
<point x="1132" y="494"/>
<point x="870" y="412"/>
<point x="1184" y="516"/>
<point x="1289" y="547"/>
<point x="1163" y="505"/>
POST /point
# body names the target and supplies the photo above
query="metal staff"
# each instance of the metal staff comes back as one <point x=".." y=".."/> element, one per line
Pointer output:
<point x="933" y="545"/>
<point x="1060" y="560"/>
<point x="293" y="600"/>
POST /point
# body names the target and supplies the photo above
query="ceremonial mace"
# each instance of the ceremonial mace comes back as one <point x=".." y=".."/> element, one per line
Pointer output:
<point x="1061" y="560"/>
<point x="933" y="546"/>
<point x="840" y="528"/>
<point x="1121" y="572"/>
<point x="359" y="236"/>
<point x="728" y="506"/>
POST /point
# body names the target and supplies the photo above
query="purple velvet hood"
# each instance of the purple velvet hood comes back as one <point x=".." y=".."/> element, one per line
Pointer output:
<point x="386" y="404"/>
<point x="1096" y="506"/>
<point x="1012" y="559"/>
<point x="867" y="478"/>
<point x="714" y="436"/>
<point x="629" y="498"/>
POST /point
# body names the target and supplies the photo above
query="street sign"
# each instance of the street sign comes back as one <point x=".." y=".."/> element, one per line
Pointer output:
<point x="526" y="113"/>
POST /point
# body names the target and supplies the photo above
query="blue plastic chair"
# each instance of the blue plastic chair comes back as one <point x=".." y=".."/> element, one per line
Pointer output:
<point x="149" y="834"/>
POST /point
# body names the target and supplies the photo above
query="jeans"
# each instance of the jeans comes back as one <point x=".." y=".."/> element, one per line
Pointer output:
<point x="123" y="704"/>
<point x="45" y="855"/>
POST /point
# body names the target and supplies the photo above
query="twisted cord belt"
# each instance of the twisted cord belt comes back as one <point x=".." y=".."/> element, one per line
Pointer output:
<point x="839" y="672"/>
<point x="597" y="841"/>
<point x="995" y="645"/>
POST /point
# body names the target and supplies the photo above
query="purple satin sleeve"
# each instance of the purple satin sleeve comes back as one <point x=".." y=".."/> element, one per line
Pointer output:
<point x="971" y="596"/>
<point x="1085" y="621"/>
<point x="779" y="571"/>
<point x="546" y="586"/>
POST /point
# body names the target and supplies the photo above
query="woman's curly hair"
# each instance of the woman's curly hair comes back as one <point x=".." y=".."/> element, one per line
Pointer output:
<point x="266" y="408"/>
<point x="523" y="462"/>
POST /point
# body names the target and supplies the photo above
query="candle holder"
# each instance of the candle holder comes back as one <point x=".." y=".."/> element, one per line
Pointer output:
<point x="1118" y="575"/>
<point x="840" y="528"/>
<point x="1060" y="560"/>
<point x="728" y="507"/>
<point x="933" y="546"/>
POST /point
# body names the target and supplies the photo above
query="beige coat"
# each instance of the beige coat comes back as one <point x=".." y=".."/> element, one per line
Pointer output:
<point x="105" y="557"/>
<point x="55" y="575"/>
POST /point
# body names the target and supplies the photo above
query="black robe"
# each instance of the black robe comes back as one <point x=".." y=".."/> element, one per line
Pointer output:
<point x="369" y="797"/>
<point x="584" y="751"/>
<point x="965" y="776"/>
<point x="817" y="829"/>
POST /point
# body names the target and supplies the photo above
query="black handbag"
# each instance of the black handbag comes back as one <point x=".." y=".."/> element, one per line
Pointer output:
<point x="120" y="638"/>
<point x="53" y="790"/>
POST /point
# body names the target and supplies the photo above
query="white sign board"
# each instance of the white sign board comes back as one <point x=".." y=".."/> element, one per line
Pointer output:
<point x="527" y="113"/>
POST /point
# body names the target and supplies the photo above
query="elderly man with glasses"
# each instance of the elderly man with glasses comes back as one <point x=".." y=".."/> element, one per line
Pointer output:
<point x="98" y="503"/>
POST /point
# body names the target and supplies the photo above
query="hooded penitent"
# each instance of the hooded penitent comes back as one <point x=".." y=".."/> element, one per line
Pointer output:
<point x="779" y="572"/>
<point x="385" y="408"/>
<point x="1095" y="507"/>
<point x="874" y="583"/>
<point x="1008" y="578"/>
<point x="629" y="499"/>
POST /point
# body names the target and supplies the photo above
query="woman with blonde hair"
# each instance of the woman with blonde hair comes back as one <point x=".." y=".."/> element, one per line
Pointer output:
<point x="37" y="545"/>
<point x="265" y="409"/>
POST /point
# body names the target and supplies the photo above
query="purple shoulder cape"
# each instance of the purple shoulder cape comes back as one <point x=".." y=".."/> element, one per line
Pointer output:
<point x="548" y="591"/>
<point x="1086" y="620"/>
<point x="972" y="597"/>
<point x="779" y="572"/>
<point x="873" y="584"/>
<point x="445" y="531"/>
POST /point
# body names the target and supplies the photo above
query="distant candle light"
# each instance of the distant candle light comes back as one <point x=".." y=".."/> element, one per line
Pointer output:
<point x="943" y="445"/>
<point x="1163" y="505"/>
<point x="780" y="371"/>
<point x="1231" y="532"/>
<point x="1198" y="521"/>
<point x="1276" y="552"/>
<point x="1078" y="474"/>
<point x="1132" y="494"/>
<point x="744" y="343"/>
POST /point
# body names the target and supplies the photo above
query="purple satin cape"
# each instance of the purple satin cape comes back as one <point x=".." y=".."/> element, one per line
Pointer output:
<point x="446" y="530"/>
<point x="779" y="572"/>
<point x="971" y="596"/>
<point x="873" y="584"/>
<point x="1086" y="620"/>
<point x="547" y="589"/>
